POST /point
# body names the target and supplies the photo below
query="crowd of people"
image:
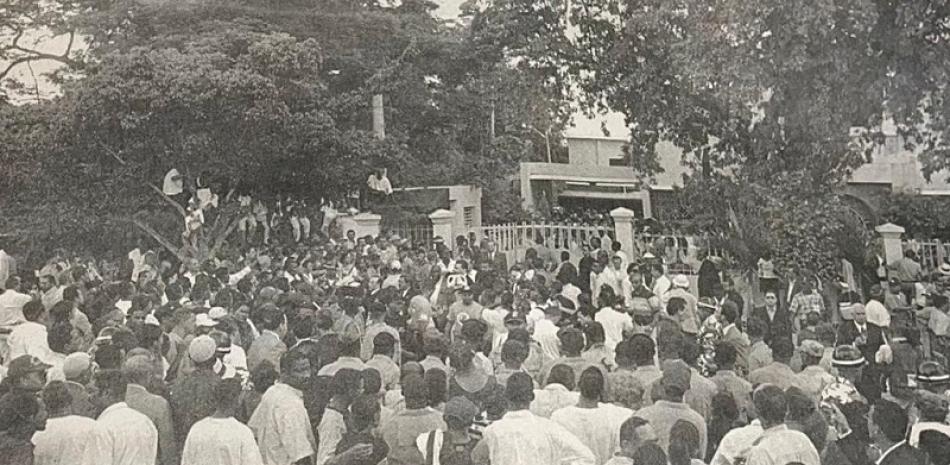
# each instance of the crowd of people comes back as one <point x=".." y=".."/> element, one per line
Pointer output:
<point x="337" y="349"/>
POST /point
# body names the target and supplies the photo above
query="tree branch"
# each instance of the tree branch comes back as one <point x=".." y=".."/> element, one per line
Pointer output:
<point x="158" y="237"/>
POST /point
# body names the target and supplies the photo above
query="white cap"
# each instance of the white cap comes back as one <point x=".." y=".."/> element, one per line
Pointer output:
<point x="203" y="320"/>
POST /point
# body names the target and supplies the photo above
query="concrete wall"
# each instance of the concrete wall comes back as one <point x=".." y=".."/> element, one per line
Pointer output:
<point x="461" y="197"/>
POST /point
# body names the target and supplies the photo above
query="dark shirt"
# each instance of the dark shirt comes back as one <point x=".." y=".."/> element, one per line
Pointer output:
<point x="350" y="439"/>
<point x="192" y="399"/>
<point x="903" y="454"/>
<point x="583" y="273"/>
<point x="15" y="451"/>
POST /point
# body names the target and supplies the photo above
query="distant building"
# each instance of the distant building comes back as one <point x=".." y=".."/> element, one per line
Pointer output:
<point x="595" y="174"/>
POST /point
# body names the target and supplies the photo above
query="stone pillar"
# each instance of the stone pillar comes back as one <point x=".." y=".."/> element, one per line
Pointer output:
<point x="891" y="237"/>
<point x="442" y="226"/>
<point x="647" y="203"/>
<point x="367" y="224"/>
<point x="623" y="229"/>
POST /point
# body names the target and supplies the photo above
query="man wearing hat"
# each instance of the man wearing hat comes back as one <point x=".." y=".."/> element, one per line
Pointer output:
<point x="689" y="317"/>
<point x="813" y="378"/>
<point x="78" y="371"/>
<point x="851" y="364"/>
<point x="26" y="374"/>
<point x="670" y="408"/>
<point x="455" y="443"/>
<point x="868" y="338"/>
<point x="192" y="397"/>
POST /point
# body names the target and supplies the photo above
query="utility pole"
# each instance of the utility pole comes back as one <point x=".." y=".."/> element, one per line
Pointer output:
<point x="379" y="117"/>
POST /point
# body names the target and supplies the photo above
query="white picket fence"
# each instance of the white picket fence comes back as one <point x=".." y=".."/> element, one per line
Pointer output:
<point x="514" y="239"/>
<point x="681" y="253"/>
<point x="930" y="253"/>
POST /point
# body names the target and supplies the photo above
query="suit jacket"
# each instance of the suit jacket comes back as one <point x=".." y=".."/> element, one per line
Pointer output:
<point x="497" y="260"/>
<point x="778" y="327"/>
<point x="740" y="341"/>
<point x="156" y="409"/>
<point x="266" y="347"/>
<point x="848" y="333"/>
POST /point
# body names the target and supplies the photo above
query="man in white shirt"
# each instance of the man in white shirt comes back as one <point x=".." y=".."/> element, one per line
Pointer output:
<point x="545" y="332"/>
<point x="132" y="438"/>
<point x="11" y="311"/>
<point x="29" y="338"/>
<point x="220" y="439"/>
<point x="280" y="423"/>
<point x="51" y="292"/>
<point x="615" y="323"/>
<point x="875" y="310"/>
<point x="520" y="437"/>
<point x="661" y="284"/>
<point x="68" y="438"/>
<point x="597" y="425"/>
<point x="12" y="302"/>
<point x="778" y="444"/>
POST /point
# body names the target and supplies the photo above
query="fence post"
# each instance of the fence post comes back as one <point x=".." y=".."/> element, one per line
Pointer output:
<point x="442" y="226"/>
<point x="623" y="228"/>
<point x="891" y="236"/>
<point x="366" y="224"/>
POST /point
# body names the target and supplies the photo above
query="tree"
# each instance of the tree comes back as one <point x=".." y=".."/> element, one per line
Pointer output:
<point x="33" y="32"/>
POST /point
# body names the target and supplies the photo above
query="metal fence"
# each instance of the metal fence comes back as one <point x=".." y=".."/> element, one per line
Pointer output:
<point x="418" y="232"/>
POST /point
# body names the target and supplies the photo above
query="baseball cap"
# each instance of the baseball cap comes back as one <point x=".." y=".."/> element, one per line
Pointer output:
<point x="676" y="374"/>
<point x="203" y="320"/>
<point x="24" y="365"/>
<point x="202" y="349"/>
<point x="681" y="280"/>
<point x="812" y="348"/>
<point x="76" y="364"/>
<point x="461" y="409"/>
<point x="217" y="313"/>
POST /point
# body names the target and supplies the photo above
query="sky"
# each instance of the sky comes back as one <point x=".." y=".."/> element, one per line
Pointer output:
<point x="448" y="8"/>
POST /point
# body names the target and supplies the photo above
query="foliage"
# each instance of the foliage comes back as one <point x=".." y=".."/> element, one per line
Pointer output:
<point x="770" y="87"/>
<point x="271" y="99"/>
<point x="809" y="231"/>
<point x="920" y="215"/>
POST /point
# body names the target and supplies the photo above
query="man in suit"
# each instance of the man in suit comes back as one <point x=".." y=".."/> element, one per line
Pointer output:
<point x="268" y="346"/>
<point x="498" y="261"/>
<point x="732" y="335"/>
<point x="778" y="324"/>
<point x="867" y="338"/>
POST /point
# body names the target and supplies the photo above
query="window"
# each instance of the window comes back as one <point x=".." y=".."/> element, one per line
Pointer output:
<point x="468" y="216"/>
<point x="617" y="161"/>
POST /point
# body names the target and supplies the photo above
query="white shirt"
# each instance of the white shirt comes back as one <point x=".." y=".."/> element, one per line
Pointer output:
<point x="220" y="441"/>
<point x="737" y="442"/>
<point x="71" y="440"/>
<point x="11" y="307"/>
<point x="614" y="324"/>
<point x="781" y="446"/>
<point x="331" y="430"/>
<point x="552" y="398"/>
<point x="132" y="438"/>
<point x="282" y="427"/>
<point x="598" y="428"/>
<point x="379" y="184"/>
<point x="877" y="313"/>
<point x="661" y="286"/>
<point x="236" y="358"/>
<point x="520" y="437"/>
<point x="29" y="338"/>
<point x="545" y="332"/>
